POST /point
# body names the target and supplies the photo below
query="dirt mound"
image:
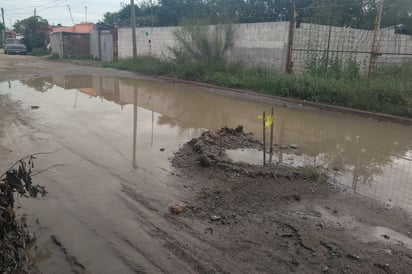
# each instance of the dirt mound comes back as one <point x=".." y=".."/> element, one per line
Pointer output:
<point x="277" y="218"/>
<point x="209" y="150"/>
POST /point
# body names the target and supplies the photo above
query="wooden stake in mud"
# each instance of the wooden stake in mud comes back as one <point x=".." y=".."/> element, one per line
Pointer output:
<point x="264" y="138"/>
<point x="271" y="139"/>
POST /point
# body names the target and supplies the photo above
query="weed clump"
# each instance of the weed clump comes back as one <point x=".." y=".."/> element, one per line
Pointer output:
<point x="13" y="234"/>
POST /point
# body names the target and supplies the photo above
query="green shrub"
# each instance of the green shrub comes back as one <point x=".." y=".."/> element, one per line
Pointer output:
<point x="54" y="56"/>
<point x="39" y="52"/>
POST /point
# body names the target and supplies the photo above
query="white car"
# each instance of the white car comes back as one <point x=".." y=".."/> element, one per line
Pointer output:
<point x="13" y="45"/>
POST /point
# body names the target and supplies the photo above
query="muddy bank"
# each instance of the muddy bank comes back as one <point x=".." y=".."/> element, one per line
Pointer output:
<point x="286" y="219"/>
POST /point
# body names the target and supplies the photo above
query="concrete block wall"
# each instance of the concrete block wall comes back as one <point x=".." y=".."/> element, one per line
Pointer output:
<point x="161" y="39"/>
<point x="258" y="44"/>
<point x="265" y="44"/>
<point x="311" y="41"/>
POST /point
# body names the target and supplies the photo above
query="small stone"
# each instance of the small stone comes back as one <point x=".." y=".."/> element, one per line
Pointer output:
<point x="162" y="149"/>
<point x="353" y="257"/>
<point x="199" y="146"/>
<point x="35" y="107"/>
<point x="295" y="262"/>
<point x="294" y="146"/>
<point x="209" y="230"/>
<point x="283" y="147"/>
<point x="176" y="209"/>
<point x="215" y="217"/>
<point x="204" y="161"/>
<point x="325" y="269"/>
<point x="386" y="237"/>
<point x="387" y="251"/>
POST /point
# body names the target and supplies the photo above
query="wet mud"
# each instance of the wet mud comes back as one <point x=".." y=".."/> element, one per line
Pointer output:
<point x="132" y="194"/>
<point x="287" y="219"/>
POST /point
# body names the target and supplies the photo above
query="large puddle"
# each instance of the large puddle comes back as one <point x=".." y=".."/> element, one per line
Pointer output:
<point x="143" y="122"/>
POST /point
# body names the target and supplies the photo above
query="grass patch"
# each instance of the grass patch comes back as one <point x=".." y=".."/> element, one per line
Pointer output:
<point x="387" y="92"/>
<point x="39" y="52"/>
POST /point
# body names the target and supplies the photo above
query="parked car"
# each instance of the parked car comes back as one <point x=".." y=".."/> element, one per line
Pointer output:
<point x="13" y="45"/>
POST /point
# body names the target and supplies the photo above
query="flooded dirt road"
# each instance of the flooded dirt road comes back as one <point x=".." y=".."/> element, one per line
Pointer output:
<point x="113" y="135"/>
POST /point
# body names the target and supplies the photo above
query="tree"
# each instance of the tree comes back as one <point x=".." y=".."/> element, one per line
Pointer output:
<point x="34" y="31"/>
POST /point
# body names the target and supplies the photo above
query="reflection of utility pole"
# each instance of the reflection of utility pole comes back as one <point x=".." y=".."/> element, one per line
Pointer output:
<point x="134" y="125"/>
<point x="152" y="128"/>
<point x="374" y="50"/>
<point x="133" y="15"/>
<point x="75" y="100"/>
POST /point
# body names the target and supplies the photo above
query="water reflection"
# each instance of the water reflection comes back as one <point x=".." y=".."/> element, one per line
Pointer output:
<point x="360" y="153"/>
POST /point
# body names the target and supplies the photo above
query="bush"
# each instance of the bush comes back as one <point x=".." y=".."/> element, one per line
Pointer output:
<point x="40" y="52"/>
<point x="54" y="56"/>
<point x="143" y="64"/>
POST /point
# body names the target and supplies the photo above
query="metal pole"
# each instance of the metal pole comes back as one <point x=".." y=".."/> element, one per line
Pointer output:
<point x="271" y="139"/>
<point x="133" y="15"/>
<point x="134" y="125"/>
<point x="292" y="27"/>
<point x="264" y="138"/>
<point x="374" y="50"/>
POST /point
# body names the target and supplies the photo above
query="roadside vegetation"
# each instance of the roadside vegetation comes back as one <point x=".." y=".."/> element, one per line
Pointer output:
<point x="200" y="53"/>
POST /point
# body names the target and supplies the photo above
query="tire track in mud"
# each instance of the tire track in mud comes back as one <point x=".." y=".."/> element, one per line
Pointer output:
<point x="191" y="249"/>
<point x="77" y="266"/>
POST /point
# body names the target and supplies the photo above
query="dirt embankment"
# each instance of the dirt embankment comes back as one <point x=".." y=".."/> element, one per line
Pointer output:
<point x="284" y="219"/>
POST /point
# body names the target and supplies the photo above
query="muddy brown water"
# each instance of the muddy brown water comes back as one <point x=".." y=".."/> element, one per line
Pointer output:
<point x="112" y="134"/>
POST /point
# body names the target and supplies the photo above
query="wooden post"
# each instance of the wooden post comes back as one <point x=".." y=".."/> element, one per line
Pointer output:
<point x="264" y="139"/>
<point x="292" y="27"/>
<point x="374" y="50"/>
<point x="271" y="139"/>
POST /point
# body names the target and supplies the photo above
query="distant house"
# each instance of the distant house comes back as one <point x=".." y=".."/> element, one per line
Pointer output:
<point x="85" y="40"/>
<point x="78" y="28"/>
<point x="9" y="34"/>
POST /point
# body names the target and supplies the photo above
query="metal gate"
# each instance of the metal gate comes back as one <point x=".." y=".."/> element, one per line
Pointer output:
<point x="106" y="45"/>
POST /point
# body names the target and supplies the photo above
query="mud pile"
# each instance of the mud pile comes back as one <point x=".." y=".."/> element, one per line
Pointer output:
<point x="209" y="150"/>
<point x="14" y="236"/>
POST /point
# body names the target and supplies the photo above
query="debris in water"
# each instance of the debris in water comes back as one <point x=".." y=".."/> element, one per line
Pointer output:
<point x="35" y="107"/>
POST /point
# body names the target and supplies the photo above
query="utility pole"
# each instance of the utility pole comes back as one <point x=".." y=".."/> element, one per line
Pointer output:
<point x="4" y="25"/>
<point x="71" y="16"/>
<point x="133" y="15"/>
<point x="85" y="9"/>
<point x="2" y="16"/>
<point x="35" y="12"/>
<point x="374" y="49"/>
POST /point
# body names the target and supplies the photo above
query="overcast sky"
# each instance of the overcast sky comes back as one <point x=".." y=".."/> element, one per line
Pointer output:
<point x="57" y="11"/>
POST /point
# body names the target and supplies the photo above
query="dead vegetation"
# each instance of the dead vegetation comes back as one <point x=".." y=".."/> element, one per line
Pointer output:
<point x="14" y="236"/>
